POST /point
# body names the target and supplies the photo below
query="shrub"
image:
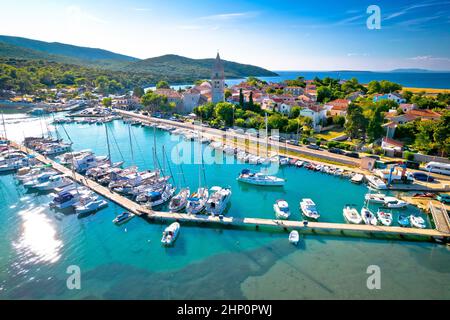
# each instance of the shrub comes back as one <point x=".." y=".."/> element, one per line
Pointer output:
<point x="408" y="155"/>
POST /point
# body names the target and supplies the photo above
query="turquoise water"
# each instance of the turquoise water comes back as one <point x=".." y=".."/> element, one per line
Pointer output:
<point x="37" y="245"/>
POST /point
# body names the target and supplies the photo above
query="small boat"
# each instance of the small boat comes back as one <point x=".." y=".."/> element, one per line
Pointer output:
<point x="170" y="234"/>
<point x="385" y="218"/>
<point x="351" y="214"/>
<point x="375" y="197"/>
<point x="197" y="201"/>
<point x="403" y="220"/>
<point x="417" y="222"/>
<point x="218" y="200"/>
<point x="394" y="203"/>
<point x="260" y="179"/>
<point x="281" y="208"/>
<point x="368" y="217"/>
<point x="57" y="181"/>
<point x="179" y="202"/>
<point x="357" y="178"/>
<point x="294" y="237"/>
<point x="123" y="218"/>
<point x="376" y="183"/>
<point x="85" y="207"/>
<point x="309" y="210"/>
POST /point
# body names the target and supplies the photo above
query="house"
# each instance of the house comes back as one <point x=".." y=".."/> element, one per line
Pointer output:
<point x="337" y="107"/>
<point x="315" y="112"/>
<point x="173" y="96"/>
<point x="355" y="95"/>
<point x="191" y="99"/>
<point x="413" y="115"/>
<point x="284" y="108"/>
<point x="407" y="107"/>
<point x="123" y="102"/>
<point x="295" y="91"/>
<point x="389" y="96"/>
<point x="392" y="147"/>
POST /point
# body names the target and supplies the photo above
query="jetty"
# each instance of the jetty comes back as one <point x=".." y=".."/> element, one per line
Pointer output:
<point x="440" y="233"/>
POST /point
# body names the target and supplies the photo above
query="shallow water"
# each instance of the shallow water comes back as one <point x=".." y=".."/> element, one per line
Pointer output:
<point x="37" y="244"/>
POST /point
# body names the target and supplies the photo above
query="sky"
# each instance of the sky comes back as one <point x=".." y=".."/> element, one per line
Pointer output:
<point x="277" y="35"/>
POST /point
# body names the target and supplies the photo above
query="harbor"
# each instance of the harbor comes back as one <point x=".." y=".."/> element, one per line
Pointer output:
<point x="248" y="229"/>
<point x="311" y="227"/>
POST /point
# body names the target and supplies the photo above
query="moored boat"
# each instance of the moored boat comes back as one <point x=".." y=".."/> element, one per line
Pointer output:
<point x="260" y="179"/>
<point x="123" y="218"/>
<point x="170" y="234"/>
<point x="294" y="237"/>
<point x="368" y="217"/>
<point x="179" y="202"/>
<point x="385" y="218"/>
<point x="309" y="210"/>
<point x="351" y="214"/>
<point x="417" y="222"/>
<point x="403" y="220"/>
<point x="281" y="208"/>
<point x="218" y="200"/>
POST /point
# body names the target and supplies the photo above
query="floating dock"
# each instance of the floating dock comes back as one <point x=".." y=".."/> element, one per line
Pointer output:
<point x="440" y="234"/>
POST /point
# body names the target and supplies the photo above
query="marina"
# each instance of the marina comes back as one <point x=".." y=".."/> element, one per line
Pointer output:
<point x="252" y="223"/>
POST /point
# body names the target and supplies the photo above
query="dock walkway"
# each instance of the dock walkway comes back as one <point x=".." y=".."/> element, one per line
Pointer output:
<point x="253" y="223"/>
<point x="440" y="216"/>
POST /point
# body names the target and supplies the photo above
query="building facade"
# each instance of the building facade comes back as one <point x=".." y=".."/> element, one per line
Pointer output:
<point x="218" y="81"/>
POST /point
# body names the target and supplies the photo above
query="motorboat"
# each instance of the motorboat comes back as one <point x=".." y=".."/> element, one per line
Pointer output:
<point x="89" y="206"/>
<point x="281" y="208"/>
<point x="158" y="198"/>
<point x="56" y="181"/>
<point x="260" y="179"/>
<point x="417" y="222"/>
<point x="53" y="149"/>
<point x="385" y="218"/>
<point x="309" y="210"/>
<point x="170" y="234"/>
<point x="66" y="199"/>
<point x="179" y="202"/>
<point x="357" y="178"/>
<point x="41" y="178"/>
<point x="376" y="182"/>
<point x="218" y="200"/>
<point x="123" y="218"/>
<point x="351" y="214"/>
<point x="294" y="237"/>
<point x="197" y="201"/>
<point x="394" y="203"/>
<point x="375" y="198"/>
<point x="67" y="158"/>
<point x="368" y="217"/>
<point x="403" y="220"/>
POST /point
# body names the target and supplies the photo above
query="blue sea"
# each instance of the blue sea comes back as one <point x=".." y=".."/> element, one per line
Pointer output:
<point x="437" y="80"/>
<point x="37" y="245"/>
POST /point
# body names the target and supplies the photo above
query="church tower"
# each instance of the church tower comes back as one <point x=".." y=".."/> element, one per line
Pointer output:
<point x="218" y="81"/>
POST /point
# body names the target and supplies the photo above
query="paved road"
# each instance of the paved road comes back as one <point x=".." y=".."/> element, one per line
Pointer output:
<point x="322" y="154"/>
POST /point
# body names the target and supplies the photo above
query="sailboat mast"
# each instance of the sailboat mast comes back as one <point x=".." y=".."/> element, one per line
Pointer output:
<point x="4" y="126"/>
<point x="107" y="143"/>
<point x="267" y="136"/>
<point x="131" y="144"/>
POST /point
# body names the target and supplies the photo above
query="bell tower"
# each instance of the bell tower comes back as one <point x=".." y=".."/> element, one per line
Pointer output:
<point x="218" y="81"/>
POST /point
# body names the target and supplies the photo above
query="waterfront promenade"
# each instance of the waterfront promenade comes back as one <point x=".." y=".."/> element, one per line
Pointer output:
<point x="246" y="223"/>
<point x="295" y="152"/>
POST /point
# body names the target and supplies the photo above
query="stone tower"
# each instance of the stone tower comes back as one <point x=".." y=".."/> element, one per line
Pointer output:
<point x="218" y="81"/>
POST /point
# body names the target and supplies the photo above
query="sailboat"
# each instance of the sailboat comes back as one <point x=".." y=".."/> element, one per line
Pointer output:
<point x="179" y="202"/>
<point x="197" y="201"/>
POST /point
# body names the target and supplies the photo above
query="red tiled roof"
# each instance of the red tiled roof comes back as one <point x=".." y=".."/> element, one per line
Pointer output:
<point x="393" y="142"/>
<point x="425" y="113"/>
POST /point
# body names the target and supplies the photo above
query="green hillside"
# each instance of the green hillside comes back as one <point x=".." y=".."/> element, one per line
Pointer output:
<point x="192" y="69"/>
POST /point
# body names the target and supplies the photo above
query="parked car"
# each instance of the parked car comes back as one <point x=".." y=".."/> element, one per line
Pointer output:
<point x="313" y="147"/>
<point x="374" y="157"/>
<point x="443" y="197"/>
<point x="275" y="138"/>
<point x="422" y="177"/>
<point x="293" y="142"/>
<point x="336" y="150"/>
<point x="412" y="164"/>
<point x="352" y="155"/>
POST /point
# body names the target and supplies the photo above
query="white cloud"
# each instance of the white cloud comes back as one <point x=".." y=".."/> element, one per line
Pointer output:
<point x="78" y="16"/>
<point x="230" y="16"/>
<point x="429" y="58"/>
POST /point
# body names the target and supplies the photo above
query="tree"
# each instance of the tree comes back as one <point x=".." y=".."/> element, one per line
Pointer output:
<point x="107" y="102"/>
<point x="324" y="94"/>
<point x="441" y="134"/>
<point x="138" y="92"/>
<point x="152" y="101"/>
<point x="206" y="111"/>
<point x="224" y="111"/>
<point x="356" y="124"/>
<point x="250" y="101"/>
<point x="277" y="121"/>
<point x="339" y="120"/>
<point x="228" y="93"/>
<point x="239" y="123"/>
<point x="375" y="129"/>
<point x="241" y="98"/>
<point x="162" y="85"/>
<point x="295" y="112"/>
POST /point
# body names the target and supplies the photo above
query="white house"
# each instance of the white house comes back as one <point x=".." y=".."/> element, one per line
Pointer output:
<point x="191" y="99"/>
<point x="389" y="96"/>
<point x="317" y="113"/>
<point x="284" y="108"/>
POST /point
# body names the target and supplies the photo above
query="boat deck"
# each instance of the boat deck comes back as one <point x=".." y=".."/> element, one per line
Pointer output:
<point x="252" y="223"/>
